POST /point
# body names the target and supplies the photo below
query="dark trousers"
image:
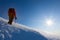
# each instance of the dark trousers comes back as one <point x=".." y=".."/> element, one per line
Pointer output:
<point x="10" y="20"/>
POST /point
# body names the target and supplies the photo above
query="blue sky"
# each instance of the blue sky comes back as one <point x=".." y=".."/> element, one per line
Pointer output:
<point x="33" y="13"/>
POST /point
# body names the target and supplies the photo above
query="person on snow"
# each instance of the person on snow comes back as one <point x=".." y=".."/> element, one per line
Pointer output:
<point x="12" y="15"/>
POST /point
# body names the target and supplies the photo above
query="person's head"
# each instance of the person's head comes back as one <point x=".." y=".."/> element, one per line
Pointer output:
<point x="11" y="9"/>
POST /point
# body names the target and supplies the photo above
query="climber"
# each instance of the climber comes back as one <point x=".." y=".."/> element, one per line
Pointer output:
<point x="12" y="15"/>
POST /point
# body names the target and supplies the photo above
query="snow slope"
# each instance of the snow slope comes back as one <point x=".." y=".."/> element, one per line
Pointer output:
<point x="18" y="32"/>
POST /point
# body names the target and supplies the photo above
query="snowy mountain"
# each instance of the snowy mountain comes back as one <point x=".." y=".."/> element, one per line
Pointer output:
<point x="18" y="32"/>
<point x="21" y="32"/>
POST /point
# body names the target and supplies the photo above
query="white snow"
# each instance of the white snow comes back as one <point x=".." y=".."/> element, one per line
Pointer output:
<point x="2" y="35"/>
<point x="26" y="28"/>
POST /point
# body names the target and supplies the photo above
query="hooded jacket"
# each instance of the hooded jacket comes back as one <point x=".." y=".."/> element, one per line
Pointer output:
<point x="11" y="13"/>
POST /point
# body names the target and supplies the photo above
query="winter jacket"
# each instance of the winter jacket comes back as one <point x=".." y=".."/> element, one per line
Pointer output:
<point x="11" y="13"/>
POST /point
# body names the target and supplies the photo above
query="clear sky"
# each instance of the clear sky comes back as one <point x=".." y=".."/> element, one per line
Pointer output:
<point x="34" y="13"/>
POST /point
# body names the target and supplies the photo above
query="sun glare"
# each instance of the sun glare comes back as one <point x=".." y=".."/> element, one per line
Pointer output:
<point x="49" y="22"/>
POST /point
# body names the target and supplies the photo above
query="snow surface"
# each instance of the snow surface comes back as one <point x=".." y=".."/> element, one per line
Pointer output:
<point x="18" y="32"/>
<point x="21" y="32"/>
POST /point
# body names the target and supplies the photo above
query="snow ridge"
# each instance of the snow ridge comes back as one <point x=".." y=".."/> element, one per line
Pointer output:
<point x="18" y="32"/>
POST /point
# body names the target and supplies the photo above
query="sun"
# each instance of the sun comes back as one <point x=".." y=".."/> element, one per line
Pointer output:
<point x="49" y="22"/>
